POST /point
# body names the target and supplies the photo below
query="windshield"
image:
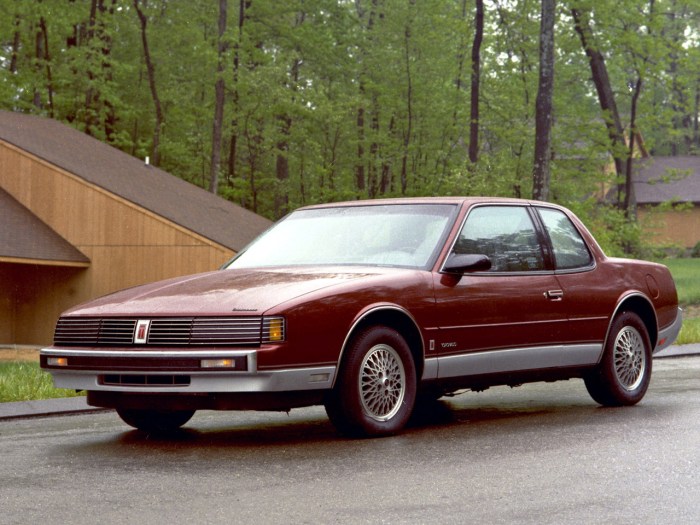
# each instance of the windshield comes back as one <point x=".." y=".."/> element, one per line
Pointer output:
<point x="405" y="235"/>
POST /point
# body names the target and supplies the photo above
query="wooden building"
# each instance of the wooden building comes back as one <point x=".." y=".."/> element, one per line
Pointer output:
<point x="659" y="180"/>
<point x="79" y="219"/>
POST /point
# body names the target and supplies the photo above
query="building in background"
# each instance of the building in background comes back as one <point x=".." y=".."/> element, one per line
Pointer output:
<point x="659" y="180"/>
<point x="80" y="219"/>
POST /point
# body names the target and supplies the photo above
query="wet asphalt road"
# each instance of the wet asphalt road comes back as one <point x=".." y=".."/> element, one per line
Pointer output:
<point x="542" y="453"/>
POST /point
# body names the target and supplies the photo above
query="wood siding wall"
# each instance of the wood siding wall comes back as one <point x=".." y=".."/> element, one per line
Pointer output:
<point x="679" y="228"/>
<point x="126" y="244"/>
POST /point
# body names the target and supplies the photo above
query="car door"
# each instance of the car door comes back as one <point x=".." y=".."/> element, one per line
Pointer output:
<point x="589" y="293"/>
<point x="507" y="314"/>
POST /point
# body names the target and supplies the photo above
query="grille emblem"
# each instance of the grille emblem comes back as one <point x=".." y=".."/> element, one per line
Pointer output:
<point x="141" y="332"/>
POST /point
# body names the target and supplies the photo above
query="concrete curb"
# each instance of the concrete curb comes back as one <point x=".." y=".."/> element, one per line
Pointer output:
<point x="47" y="407"/>
<point x="679" y="351"/>
<point x="78" y="405"/>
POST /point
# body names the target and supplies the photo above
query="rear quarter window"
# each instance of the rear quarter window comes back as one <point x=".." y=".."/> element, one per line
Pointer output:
<point x="570" y="250"/>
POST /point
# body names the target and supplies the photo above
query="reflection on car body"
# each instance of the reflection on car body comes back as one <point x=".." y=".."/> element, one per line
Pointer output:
<point x="366" y="306"/>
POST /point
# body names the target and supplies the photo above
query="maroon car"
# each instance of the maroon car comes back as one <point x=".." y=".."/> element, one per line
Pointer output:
<point x="365" y="307"/>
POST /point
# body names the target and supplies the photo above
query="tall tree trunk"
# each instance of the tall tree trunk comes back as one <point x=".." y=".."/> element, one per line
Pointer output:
<point x="15" y="45"/>
<point x="476" y="78"/>
<point x="460" y="68"/>
<point x="219" y="97"/>
<point x="243" y="6"/>
<point x="110" y="122"/>
<point x="696" y="116"/>
<point x="630" y="201"/>
<point x="150" y="70"/>
<point x="47" y="62"/>
<point x="364" y="176"/>
<point x="360" y="163"/>
<point x="543" y="106"/>
<point x="606" y="99"/>
<point x="91" y="94"/>
<point x="372" y="179"/>
<point x="409" y="113"/>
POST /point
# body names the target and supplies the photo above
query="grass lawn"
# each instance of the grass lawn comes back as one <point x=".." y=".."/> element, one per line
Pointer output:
<point x="25" y="381"/>
<point x="686" y="273"/>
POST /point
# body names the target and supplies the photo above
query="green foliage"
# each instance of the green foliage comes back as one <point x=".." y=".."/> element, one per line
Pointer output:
<point x="25" y="381"/>
<point x="695" y="252"/>
<point x="329" y="100"/>
<point x="617" y="235"/>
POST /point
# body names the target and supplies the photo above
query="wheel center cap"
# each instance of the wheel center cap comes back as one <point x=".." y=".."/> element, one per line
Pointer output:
<point x="384" y="380"/>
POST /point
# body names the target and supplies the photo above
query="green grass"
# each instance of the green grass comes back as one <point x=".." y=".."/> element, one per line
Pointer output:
<point x="25" y="381"/>
<point x="690" y="333"/>
<point x="686" y="273"/>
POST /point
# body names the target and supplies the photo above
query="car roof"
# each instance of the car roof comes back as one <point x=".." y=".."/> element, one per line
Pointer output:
<point x="463" y="200"/>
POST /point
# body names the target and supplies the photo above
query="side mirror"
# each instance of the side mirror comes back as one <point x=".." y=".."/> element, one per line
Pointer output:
<point x="466" y="263"/>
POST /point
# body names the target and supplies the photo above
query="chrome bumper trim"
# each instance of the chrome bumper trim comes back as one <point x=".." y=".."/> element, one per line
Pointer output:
<point x="201" y="381"/>
<point x="318" y="378"/>
<point x="252" y="355"/>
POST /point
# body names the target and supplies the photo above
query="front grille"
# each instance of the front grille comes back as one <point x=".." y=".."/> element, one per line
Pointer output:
<point x="77" y="331"/>
<point x="116" y="332"/>
<point x="210" y="331"/>
<point x="167" y="332"/>
<point x="179" y="331"/>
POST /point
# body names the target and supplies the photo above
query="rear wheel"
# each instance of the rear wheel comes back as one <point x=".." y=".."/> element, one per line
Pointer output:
<point x="624" y="373"/>
<point x="155" y="420"/>
<point x="376" y="388"/>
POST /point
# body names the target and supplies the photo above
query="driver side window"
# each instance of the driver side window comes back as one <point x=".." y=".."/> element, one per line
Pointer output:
<point x="505" y="234"/>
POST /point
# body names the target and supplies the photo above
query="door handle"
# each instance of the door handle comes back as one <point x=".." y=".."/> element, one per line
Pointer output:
<point x="554" y="295"/>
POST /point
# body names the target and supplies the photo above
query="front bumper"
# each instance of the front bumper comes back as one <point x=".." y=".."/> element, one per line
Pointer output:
<point x="169" y="371"/>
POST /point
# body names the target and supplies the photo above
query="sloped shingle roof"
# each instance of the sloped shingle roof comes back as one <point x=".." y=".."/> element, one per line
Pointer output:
<point x="661" y="179"/>
<point x="130" y="178"/>
<point x="24" y="236"/>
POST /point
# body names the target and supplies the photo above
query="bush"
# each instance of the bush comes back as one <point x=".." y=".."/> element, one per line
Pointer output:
<point x="695" y="252"/>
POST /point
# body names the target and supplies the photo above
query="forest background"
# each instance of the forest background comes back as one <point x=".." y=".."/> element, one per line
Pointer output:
<point x="274" y="104"/>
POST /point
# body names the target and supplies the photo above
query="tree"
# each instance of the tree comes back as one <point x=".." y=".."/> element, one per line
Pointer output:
<point x="606" y="97"/>
<point x="475" y="83"/>
<point x="543" y="112"/>
<point x="150" y="71"/>
<point x="321" y="100"/>
<point x="219" y="99"/>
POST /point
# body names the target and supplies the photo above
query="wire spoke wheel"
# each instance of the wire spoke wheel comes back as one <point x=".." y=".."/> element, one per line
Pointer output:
<point x="624" y="372"/>
<point x="376" y="388"/>
<point x="382" y="383"/>
<point x="629" y="362"/>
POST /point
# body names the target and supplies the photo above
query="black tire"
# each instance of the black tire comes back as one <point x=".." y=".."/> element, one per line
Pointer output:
<point x="624" y="373"/>
<point x="155" y="420"/>
<point x="375" y="391"/>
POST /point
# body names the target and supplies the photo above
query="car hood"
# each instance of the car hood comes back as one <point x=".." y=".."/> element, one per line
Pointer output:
<point x="221" y="292"/>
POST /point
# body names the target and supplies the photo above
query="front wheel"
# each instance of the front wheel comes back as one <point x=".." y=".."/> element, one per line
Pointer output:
<point x="155" y="420"/>
<point x="376" y="387"/>
<point x="624" y="373"/>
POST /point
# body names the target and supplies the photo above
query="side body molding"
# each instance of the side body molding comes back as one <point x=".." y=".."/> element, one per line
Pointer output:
<point x="517" y="359"/>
